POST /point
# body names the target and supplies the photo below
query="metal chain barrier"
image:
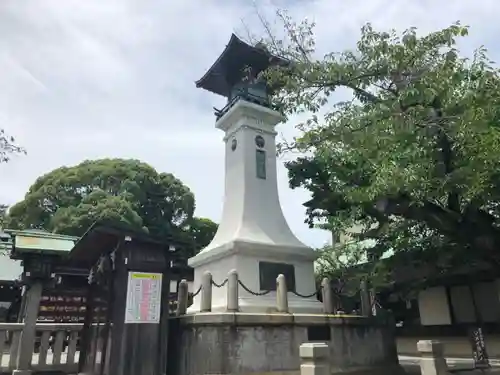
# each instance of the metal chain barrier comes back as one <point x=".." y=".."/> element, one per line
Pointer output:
<point x="196" y="293"/>
<point x="251" y="292"/>
<point x="219" y="285"/>
<point x="307" y="295"/>
<point x="375" y="304"/>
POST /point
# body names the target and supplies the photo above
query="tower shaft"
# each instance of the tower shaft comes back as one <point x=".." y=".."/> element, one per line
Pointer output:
<point x="253" y="236"/>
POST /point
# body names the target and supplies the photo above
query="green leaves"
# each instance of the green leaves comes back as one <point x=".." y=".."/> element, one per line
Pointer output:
<point x="201" y="231"/>
<point x="412" y="156"/>
<point x="69" y="199"/>
<point x="97" y="206"/>
<point x="3" y="215"/>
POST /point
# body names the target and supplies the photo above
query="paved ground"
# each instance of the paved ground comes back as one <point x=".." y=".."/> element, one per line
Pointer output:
<point x="462" y="366"/>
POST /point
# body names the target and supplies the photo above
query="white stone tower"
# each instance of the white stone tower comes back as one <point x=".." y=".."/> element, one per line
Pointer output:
<point x="253" y="236"/>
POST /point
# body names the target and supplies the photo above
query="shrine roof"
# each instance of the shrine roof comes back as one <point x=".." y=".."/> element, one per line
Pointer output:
<point x="104" y="237"/>
<point x="233" y="59"/>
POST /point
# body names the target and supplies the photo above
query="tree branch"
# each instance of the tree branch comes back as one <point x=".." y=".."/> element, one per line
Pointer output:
<point x="468" y="230"/>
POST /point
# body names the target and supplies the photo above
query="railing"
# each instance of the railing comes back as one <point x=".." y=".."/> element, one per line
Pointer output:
<point x="244" y="96"/>
<point x="55" y="348"/>
<point x="56" y="345"/>
<point x="232" y="284"/>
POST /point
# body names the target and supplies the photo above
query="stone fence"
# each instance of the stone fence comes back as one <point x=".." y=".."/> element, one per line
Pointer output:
<point x="232" y="284"/>
<point x="55" y="347"/>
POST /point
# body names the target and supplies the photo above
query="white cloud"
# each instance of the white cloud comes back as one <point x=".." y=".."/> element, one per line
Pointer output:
<point x="85" y="79"/>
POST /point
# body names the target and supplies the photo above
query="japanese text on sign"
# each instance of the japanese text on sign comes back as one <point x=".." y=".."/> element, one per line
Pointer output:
<point x="143" y="298"/>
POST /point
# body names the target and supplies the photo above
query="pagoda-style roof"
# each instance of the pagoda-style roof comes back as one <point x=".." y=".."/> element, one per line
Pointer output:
<point x="237" y="55"/>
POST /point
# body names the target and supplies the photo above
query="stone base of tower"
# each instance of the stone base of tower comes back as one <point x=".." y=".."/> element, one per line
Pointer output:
<point x="247" y="258"/>
<point x="258" y="344"/>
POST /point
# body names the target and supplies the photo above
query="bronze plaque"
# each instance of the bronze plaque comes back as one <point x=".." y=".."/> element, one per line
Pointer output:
<point x="260" y="162"/>
<point x="269" y="271"/>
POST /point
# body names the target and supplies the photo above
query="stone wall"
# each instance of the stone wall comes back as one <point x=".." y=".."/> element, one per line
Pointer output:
<point x="235" y="343"/>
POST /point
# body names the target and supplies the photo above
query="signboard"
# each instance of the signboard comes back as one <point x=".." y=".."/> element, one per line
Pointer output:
<point x="143" y="298"/>
<point x="479" y="348"/>
<point x="42" y="243"/>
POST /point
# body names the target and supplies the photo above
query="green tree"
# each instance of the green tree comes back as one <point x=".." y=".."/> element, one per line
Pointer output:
<point x="412" y="154"/>
<point x="3" y="214"/>
<point x="69" y="199"/>
<point x="202" y="231"/>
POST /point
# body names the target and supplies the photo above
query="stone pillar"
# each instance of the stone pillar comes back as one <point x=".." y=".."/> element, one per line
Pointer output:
<point x="281" y="294"/>
<point x="182" y="298"/>
<point x="314" y="358"/>
<point x="206" y="292"/>
<point x="232" y="291"/>
<point x="366" y="308"/>
<point x="432" y="360"/>
<point x="326" y="290"/>
<point x="26" y="345"/>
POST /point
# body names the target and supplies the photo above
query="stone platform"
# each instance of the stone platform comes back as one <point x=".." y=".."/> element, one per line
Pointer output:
<point x="243" y="343"/>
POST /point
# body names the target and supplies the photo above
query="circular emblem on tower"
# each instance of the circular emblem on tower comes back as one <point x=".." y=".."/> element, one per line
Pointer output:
<point x="259" y="141"/>
<point x="234" y="144"/>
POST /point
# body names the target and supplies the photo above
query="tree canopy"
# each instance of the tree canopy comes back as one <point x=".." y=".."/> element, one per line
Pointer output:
<point x="69" y="199"/>
<point x="411" y="155"/>
<point x="3" y="214"/>
<point x="202" y="231"/>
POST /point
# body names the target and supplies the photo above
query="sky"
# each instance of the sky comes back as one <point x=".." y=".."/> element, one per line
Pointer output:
<point x="88" y="79"/>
